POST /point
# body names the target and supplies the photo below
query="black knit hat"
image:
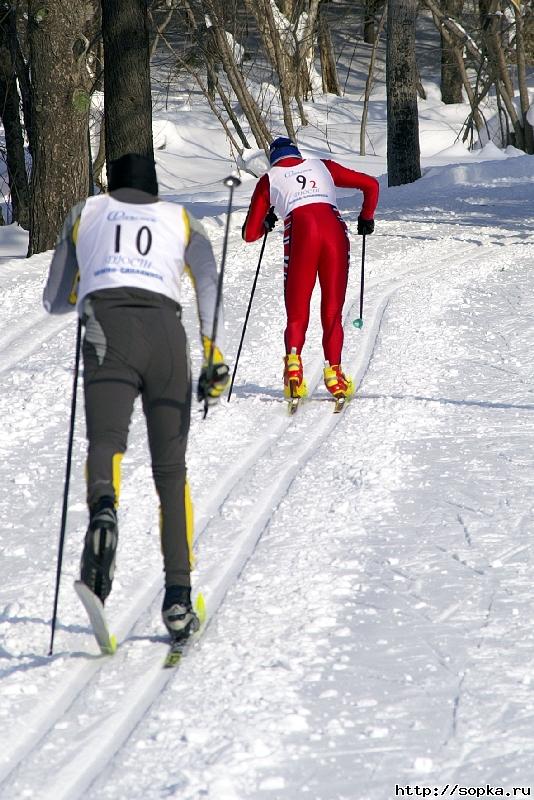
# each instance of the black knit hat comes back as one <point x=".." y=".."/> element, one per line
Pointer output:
<point x="134" y="172"/>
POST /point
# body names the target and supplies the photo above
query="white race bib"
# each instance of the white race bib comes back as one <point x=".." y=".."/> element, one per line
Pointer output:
<point x="301" y="185"/>
<point x="129" y="244"/>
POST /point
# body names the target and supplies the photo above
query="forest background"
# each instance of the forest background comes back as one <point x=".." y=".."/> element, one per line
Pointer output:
<point x="253" y="61"/>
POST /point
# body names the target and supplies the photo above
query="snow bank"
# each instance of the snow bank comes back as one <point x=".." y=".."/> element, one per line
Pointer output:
<point x="508" y="168"/>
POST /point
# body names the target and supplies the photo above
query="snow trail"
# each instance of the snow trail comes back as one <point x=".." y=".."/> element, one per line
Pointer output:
<point x="48" y="714"/>
<point x="278" y="472"/>
<point x="367" y="575"/>
<point x="371" y="663"/>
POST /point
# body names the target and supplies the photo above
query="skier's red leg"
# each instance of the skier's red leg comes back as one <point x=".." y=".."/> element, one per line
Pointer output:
<point x="302" y="243"/>
<point x="333" y="276"/>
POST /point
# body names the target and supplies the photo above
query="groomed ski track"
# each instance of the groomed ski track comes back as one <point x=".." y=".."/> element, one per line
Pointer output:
<point x="92" y="706"/>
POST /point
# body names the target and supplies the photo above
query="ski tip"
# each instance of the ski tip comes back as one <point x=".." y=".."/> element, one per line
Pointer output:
<point x="200" y="608"/>
<point x="172" y="659"/>
<point x="112" y="645"/>
<point x="110" y="648"/>
<point x="292" y="406"/>
<point x="340" y="404"/>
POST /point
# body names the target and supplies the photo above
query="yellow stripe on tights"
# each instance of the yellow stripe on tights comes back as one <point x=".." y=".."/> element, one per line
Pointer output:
<point x="116" y="475"/>
<point x="189" y="523"/>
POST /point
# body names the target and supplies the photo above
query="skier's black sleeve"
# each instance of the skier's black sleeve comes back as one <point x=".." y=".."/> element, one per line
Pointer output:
<point x="59" y="294"/>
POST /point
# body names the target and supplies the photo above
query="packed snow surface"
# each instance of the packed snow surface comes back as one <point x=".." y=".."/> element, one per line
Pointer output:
<point x="368" y="576"/>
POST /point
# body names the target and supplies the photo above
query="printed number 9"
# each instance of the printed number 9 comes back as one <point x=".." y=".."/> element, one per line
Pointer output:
<point x="302" y="180"/>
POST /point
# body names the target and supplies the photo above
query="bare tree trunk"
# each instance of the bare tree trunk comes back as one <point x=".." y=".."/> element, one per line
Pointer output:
<point x="160" y="29"/>
<point x="229" y="110"/>
<point x="456" y="30"/>
<point x="305" y="47"/>
<point x="189" y="15"/>
<point x="127" y="88"/>
<point x="474" y="99"/>
<point x="369" y="81"/>
<point x="401" y="84"/>
<point x="282" y="49"/>
<point x="257" y="9"/>
<point x="100" y="160"/>
<point x="21" y="67"/>
<point x="250" y="108"/>
<point x="490" y="11"/>
<point x="247" y="102"/>
<point x="490" y="14"/>
<point x="10" y="114"/>
<point x="419" y="84"/>
<point x="287" y="72"/>
<point x="522" y="78"/>
<point x="326" y="51"/>
<point x="370" y="17"/>
<point x="282" y="69"/>
<point x="519" y="134"/>
<point x="451" y="79"/>
<point x="457" y="38"/>
<point x="60" y="115"/>
<point x="208" y="44"/>
<point x="287" y="7"/>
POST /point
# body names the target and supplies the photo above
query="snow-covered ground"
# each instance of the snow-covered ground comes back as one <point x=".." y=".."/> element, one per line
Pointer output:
<point x="368" y="576"/>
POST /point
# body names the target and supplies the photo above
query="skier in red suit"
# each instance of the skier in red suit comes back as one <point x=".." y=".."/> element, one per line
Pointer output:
<point x="302" y="192"/>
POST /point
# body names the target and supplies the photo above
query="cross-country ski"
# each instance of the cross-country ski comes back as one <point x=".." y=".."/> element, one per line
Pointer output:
<point x="95" y="611"/>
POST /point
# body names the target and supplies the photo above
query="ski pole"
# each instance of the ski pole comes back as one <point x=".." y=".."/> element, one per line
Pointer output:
<point x="231" y="182"/>
<point x="247" y="314"/>
<point x="358" y="323"/>
<point x="67" y="481"/>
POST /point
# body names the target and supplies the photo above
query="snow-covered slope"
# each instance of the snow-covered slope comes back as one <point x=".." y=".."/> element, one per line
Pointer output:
<point x="367" y="575"/>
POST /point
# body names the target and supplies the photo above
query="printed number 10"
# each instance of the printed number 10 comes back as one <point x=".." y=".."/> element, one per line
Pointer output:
<point x="143" y="240"/>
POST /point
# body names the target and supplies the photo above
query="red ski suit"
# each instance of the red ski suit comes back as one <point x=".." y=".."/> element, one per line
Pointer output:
<point x="316" y="243"/>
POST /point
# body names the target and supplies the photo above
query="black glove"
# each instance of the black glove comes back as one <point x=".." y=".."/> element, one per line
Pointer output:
<point x="270" y="220"/>
<point x="212" y="382"/>
<point x="365" y="226"/>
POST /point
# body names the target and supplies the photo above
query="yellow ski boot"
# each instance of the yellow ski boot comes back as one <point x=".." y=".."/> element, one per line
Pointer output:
<point x="340" y="386"/>
<point x="295" y="387"/>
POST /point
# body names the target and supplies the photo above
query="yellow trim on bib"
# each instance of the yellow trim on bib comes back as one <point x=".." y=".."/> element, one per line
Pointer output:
<point x="75" y="229"/>
<point x="187" y="226"/>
